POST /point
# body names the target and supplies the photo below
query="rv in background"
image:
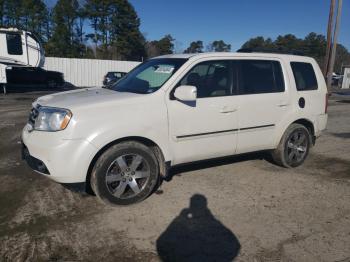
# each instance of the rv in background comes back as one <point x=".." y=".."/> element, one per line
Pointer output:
<point x="18" y="48"/>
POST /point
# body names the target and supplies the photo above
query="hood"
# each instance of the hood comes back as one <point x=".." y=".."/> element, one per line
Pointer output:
<point x="84" y="98"/>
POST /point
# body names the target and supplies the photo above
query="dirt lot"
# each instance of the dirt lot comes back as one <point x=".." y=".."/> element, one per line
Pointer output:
<point x="242" y="207"/>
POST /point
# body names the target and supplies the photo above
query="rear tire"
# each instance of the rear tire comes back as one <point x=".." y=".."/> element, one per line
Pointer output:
<point x="294" y="147"/>
<point x="125" y="174"/>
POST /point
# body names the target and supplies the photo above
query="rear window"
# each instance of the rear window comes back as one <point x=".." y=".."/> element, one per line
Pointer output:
<point x="260" y="76"/>
<point x="304" y="75"/>
<point x="14" y="44"/>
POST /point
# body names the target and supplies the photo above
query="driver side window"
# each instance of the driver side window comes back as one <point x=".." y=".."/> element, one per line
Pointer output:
<point x="211" y="78"/>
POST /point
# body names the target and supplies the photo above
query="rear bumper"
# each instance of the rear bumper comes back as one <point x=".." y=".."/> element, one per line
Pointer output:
<point x="321" y="124"/>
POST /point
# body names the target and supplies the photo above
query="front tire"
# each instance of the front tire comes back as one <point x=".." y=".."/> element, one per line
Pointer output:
<point x="293" y="147"/>
<point x="125" y="174"/>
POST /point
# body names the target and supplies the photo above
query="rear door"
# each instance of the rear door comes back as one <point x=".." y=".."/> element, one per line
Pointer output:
<point x="263" y="102"/>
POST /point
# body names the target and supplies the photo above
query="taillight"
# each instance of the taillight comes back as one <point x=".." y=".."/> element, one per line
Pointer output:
<point x="326" y="104"/>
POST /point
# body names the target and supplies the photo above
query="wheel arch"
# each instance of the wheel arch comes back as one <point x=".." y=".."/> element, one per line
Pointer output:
<point x="309" y="125"/>
<point x="302" y="121"/>
<point x="143" y="140"/>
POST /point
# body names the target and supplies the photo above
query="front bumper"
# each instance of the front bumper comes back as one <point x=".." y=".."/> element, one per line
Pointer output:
<point x="36" y="164"/>
<point x="63" y="160"/>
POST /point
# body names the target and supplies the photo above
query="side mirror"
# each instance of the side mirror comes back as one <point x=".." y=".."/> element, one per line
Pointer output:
<point x="186" y="93"/>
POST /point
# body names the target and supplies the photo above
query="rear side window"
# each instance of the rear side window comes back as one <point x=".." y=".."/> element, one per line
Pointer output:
<point x="260" y="76"/>
<point x="304" y="75"/>
<point x="14" y="44"/>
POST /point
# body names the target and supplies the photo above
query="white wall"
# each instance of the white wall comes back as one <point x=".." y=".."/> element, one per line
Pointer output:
<point x="86" y="72"/>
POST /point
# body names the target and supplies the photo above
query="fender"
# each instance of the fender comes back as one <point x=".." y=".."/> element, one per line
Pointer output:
<point x="300" y="119"/>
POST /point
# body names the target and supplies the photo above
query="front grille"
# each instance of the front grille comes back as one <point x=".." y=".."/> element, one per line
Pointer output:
<point x="33" y="115"/>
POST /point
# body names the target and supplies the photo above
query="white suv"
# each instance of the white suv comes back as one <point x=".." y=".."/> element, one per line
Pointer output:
<point x="176" y="109"/>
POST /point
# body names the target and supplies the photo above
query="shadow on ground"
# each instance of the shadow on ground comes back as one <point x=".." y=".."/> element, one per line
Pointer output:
<point x="342" y="135"/>
<point x="203" y="164"/>
<point x="196" y="235"/>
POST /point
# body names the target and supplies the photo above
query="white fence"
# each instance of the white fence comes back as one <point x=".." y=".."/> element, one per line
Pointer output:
<point x="86" y="72"/>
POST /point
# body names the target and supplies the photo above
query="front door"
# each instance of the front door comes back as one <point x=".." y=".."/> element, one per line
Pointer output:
<point x="206" y="128"/>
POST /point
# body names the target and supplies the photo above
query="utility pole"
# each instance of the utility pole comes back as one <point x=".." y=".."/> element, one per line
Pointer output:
<point x="329" y="38"/>
<point x="334" y="46"/>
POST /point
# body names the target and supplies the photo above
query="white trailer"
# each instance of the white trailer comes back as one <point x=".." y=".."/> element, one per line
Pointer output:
<point x="18" y="48"/>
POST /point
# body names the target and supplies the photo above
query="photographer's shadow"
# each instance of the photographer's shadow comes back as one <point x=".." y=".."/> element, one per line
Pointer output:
<point x="196" y="235"/>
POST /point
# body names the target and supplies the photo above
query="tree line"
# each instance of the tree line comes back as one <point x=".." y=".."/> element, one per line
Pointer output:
<point x="313" y="45"/>
<point x="110" y="29"/>
<point x="113" y="29"/>
<point x="114" y="24"/>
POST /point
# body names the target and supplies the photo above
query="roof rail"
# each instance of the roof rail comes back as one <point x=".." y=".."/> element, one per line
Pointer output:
<point x="270" y="50"/>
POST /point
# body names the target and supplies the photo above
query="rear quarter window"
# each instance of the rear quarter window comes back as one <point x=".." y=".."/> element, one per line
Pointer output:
<point x="304" y="75"/>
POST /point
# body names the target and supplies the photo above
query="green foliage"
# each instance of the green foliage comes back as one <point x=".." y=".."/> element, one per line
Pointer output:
<point x="116" y="34"/>
<point x="63" y="41"/>
<point x="12" y="13"/>
<point x="31" y="15"/>
<point x="162" y="46"/>
<point x="116" y="30"/>
<point x="35" y="17"/>
<point x="2" y="12"/>
<point x="129" y="43"/>
<point x="342" y="58"/>
<point x="195" y="47"/>
<point x="313" y="45"/>
<point x="259" y="42"/>
<point x="219" y="46"/>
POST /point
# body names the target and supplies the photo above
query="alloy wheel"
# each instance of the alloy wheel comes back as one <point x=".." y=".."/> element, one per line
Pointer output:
<point x="297" y="146"/>
<point x="127" y="176"/>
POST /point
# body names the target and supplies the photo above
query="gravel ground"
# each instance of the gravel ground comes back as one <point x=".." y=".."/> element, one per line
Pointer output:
<point x="243" y="208"/>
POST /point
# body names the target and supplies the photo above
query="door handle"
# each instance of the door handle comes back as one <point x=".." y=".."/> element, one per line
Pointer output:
<point x="282" y="104"/>
<point x="227" y="109"/>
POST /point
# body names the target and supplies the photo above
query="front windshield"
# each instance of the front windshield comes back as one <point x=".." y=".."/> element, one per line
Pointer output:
<point x="149" y="76"/>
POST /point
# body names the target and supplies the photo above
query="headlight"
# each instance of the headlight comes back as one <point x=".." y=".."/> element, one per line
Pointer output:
<point x="52" y="119"/>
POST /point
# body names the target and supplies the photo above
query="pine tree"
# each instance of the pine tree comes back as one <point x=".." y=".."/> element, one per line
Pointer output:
<point x="162" y="46"/>
<point x="219" y="46"/>
<point x="34" y="18"/>
<point x="195" y="47"/>
<point x="127" y="39"/>
<point x="13" y="11"/>
<point x="99" y="12"/>
<point x="63" y="42"/>
<point x="2" y="12"/>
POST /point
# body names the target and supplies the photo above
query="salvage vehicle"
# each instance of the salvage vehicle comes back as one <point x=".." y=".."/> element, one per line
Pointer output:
<point x="37" y="76"/>
<point x="177" y="109"/>
<point x="112" y="77"/>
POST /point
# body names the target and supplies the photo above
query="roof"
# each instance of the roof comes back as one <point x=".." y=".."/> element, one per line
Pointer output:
<point x="185" y="56"/>
<point x="10" y="29"/>
<point x="234" y="55"/>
